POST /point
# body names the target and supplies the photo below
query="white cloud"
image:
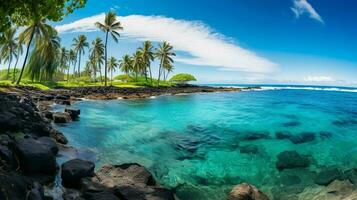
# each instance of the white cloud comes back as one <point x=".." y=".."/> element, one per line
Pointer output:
<point x="204" y="46"/>
<point x="302" y="7"/>
<point x="319" y="79"/>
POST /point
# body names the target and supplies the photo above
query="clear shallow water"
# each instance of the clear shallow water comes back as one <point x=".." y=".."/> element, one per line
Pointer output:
<point x="191" y="142"/>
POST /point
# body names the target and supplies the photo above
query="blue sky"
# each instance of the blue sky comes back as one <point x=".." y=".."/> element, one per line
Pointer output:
<point x="237" y="41"/>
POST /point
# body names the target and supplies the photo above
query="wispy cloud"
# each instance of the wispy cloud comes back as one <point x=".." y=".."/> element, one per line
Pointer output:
<point x="319" y="79"/>
<point x="204" y="46"/>
<point x="302" y="7"/>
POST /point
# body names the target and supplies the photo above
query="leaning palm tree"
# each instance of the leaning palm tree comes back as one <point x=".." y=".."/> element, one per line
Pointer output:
<point x="72" y="58"/>
<point x="164" y="54"/>
<point x="19" y="51"/>
<point x="8" y="47"/>
<point x="112" y="65"/>
<point x="148" y="56"/>
<point x="112" y="26"/>
<point x="126" y="64"/>
<point x="138" y="64"/>
<point x="44" y="60"/>
<point x="36" y="28"/>
<point x="97" y="52"/>
<point x="79" y="44"/>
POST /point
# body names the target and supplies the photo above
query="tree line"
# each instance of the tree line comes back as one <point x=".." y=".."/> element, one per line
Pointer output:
<point x="48" y="57"/>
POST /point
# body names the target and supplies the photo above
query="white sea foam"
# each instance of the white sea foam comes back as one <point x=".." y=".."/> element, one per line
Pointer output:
<point x="334" y="89"/>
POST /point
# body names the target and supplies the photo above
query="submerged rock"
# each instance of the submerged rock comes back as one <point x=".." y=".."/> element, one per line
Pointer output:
<point x="281" y="135"/>
<point x="291" y="124"/>
<point x="256" y="135"/>
<point x="249" y="149"/>
<point x="302" y="138"/>
<point x="246" y="191"/>
<point x="325" y="177"/>
<point x="36" y="156"/>
<point x="325" y="134"/>
<point x="337" y="190"/>
<point x="74" y="170"/>
<point x="290" y="160"/>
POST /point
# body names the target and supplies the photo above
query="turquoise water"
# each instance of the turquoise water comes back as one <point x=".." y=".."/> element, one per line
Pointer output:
<point x="192" y="142"/>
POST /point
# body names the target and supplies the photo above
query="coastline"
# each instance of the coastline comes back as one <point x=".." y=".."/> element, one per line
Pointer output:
<point x="34" y="127"/>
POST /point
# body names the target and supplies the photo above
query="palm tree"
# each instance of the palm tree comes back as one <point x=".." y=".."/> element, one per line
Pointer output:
<point x="91" y="65"/>
<point x="19" y="51"/>
<point x="72" y="59"/>
<point x="36" y="28"/>
<point x="112" y="26"/>
<point x="148" y="56"/>
<point x="44" y="60"/>
<point x="138" y="64"/>
<point x="126" y="64"/>
<point x="8" y="47"/>
<point x="63" y="59"/>
<point x="169" y="68"/>
<point x="79" y="44"/>
<point x="112" y="64"/>
<point x="164" y="54"/>
<point x="97" y="52"/>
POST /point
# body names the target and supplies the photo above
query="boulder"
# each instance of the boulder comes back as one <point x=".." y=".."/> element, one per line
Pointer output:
<point x="16" y="187"/>
<point x="61" y="117"/>
<point x="106" y="195"/>
<point x="74" y="170"/>
<point x="125" y="174"/>
<point x="35" y="156"/>
<point x="132" y="192"/>
<point x="58" y="136"/>
<point x="51" y="144"/>
<point x="47" y="114"/>
<point x="290" y="160"/>
<point x="246" y="191"/>
<point x="7" y="156"/>
<point x="62" y="97"/>
<point x="302" y="138"/>
<point x="326" y="176"/>
<point x="74" y="113"/>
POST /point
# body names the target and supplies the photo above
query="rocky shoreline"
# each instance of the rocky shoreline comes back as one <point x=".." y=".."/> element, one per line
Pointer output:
<point x="29" y="146"/>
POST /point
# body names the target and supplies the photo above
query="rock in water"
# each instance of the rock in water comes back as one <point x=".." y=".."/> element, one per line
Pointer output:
<point x="246" y="191"/>
<point x="36" y="156"/>
<point x="249" y="149"/>
<point x="325" y="177"/>
<point x="50" y="143"/>
<point x="74" y="113"/>
<point x="302" y="138"/>
<point x="59" y="117"/>
<point x="290" y="160"/>
<point x="74" y="170"/>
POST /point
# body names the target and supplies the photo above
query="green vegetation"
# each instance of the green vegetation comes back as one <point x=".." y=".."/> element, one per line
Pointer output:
<point x="182" y="78"/>
<point x="47" y="63"/>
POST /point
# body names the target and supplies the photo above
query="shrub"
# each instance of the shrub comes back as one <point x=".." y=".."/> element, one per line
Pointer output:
<point x="182" y="78"/>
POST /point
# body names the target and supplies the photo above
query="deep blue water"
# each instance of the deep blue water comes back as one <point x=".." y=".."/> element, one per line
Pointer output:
<point x="192" y="142"/>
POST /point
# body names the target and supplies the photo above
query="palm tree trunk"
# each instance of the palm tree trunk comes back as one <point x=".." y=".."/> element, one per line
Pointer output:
<point x="14" y="77"/>
<point x="158" y="80"/>
<point x="8" y="69"/>
<point x="150" y="74"/>
<point x="100" y="74"/>
<point x="74" y="67"/>
<point x="79" y="65"/>
<point x="105" y="68"/>
<point x="111" y="78"/>
<point x="69" y="64"/>
<point x="27" y="53"/>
